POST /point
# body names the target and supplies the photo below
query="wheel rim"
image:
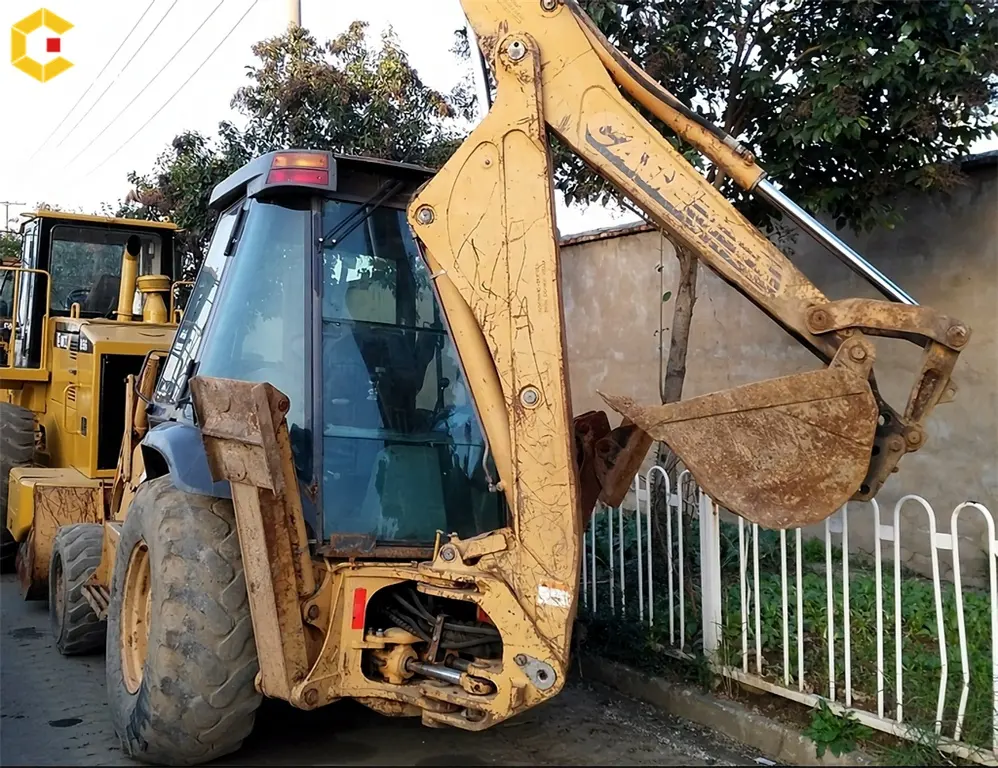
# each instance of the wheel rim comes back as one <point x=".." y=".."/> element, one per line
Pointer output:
<point x="136" y="606"/>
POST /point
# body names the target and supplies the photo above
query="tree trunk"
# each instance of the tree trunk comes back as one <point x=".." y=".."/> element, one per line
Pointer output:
<point x="672" y="391"/>
<point x="682" y="319"/>
<point x="679" y="342"/>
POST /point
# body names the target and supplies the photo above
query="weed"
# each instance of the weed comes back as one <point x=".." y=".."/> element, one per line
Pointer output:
<point x="627" y="638"/>
<point x="836" y="733"/>
<point x="919" y="747"/>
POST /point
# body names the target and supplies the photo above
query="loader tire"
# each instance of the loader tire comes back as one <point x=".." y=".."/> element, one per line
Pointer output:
<point x="181" y="656"/>
<point x="8" y="551"/>
<point x="76" y="553"/>
<point x="17" y="449"/>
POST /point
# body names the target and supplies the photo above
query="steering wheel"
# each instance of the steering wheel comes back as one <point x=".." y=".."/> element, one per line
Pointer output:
<point x="77" y="296"/>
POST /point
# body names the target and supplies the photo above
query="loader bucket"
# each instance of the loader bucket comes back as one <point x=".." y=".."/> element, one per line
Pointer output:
<point x="782" y="453"/>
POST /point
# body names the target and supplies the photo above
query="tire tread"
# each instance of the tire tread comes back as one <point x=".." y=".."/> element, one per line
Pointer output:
<point x="17" y="449"/>
<point x="207" y="671"/>
<point x="79" y="548"/>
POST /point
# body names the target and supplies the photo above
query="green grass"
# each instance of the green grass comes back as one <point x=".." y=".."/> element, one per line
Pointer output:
<point x="921" y="748"/>
<point x="921" y="667"/>
<point x="630" y="642"/>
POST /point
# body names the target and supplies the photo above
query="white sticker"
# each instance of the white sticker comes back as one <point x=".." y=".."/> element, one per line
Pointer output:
<point x="559" y="598"/>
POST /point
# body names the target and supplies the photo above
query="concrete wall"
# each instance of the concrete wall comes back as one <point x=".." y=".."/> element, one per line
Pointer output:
<point x="945" y="254"/>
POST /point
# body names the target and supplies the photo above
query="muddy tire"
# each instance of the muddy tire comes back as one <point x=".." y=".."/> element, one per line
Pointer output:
<point x="8" y="551"/>
<point x="76" y="553"/>
<point x="17" y="449"/>
<point x="181" y="658"/>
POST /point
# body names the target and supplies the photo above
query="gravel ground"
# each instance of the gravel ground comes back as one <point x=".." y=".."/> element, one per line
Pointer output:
<point x="53" y="712"/>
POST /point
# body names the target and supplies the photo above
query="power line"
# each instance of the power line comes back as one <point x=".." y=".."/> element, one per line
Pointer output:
<point x="174" y="94"/>
<point x="93" y="82"/>
<point x="135" y="98"/>
<point x="120" y="73"/>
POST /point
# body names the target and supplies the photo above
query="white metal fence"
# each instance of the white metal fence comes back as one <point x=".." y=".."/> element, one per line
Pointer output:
<point x="806" y="618"/>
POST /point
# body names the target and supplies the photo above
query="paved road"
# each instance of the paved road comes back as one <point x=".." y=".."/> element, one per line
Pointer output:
<point x="53" y="712"/>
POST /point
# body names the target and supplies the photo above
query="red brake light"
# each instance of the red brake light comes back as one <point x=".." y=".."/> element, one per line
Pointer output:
<point x="359" y="607"/>
<point x="298" y="176"/>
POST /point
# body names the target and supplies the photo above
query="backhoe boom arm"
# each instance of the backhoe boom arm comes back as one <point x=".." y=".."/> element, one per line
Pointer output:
<point x="783" y="453"/>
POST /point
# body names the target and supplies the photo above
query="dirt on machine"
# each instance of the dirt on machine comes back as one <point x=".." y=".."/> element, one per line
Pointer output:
<point x="89" y="299"/>
<point x="355" y="472"/>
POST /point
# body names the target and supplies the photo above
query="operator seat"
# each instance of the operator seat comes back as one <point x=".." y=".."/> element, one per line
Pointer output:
<point x="103" y="296"/>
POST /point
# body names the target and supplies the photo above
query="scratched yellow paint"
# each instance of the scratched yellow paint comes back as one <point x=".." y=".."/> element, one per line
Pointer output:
<point x="493" y="245"/>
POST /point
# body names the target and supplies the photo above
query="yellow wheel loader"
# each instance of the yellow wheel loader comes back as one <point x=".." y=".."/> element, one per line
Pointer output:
<point x="355" y="474"/>
<point x="80" y="311"/>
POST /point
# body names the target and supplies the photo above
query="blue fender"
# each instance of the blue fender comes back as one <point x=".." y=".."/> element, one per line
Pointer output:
<point x="180" y="446"/>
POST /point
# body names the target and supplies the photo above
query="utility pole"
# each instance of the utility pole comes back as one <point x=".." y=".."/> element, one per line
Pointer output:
<point x="6" y="213"/>
<point x="294" y="13"/>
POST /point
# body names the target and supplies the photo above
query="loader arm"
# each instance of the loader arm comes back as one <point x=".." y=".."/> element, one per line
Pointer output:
<point x="782" y="453"/>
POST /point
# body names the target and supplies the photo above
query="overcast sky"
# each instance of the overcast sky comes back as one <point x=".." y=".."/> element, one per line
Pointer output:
<point x="86" y="161"/>
<point x="79" y="167"/>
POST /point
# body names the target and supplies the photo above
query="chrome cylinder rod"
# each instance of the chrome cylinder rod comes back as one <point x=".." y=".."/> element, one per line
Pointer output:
<point x="843" y="252"/>
<point x="434" y="671"/>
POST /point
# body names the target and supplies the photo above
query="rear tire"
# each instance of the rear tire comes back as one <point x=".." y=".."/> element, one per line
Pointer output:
<point x="181" y="657"/>
<point x="8" y="551"/>
<point x="17" y="449"/>
<point x="76" y="553"/>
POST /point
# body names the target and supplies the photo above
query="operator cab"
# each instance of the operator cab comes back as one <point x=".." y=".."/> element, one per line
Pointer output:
<point x="71" y="266"/>
<point x="314" y="283"/>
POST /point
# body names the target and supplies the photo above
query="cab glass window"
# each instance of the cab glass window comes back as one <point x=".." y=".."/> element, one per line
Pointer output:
<point x="251" y="325"/>
<point x="258" y="329"/>
<point x="85" y="264"/>
<point x="403" y="452"/>
<point x="26" y="317"/>
<point x="192" y="325"/>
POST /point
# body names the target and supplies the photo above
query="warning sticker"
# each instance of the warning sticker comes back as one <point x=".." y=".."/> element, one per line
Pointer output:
<point x="553" y="596"/>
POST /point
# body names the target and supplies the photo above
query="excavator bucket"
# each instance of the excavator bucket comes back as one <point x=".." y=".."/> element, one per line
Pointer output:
<point x="782" y="453"/>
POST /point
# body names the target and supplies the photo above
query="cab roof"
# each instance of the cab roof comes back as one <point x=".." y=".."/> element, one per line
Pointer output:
<point x="107" y="220"/>
<point x="252" y="178"/>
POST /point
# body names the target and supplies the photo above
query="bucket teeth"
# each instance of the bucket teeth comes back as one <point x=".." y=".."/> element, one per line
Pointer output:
<point x="782" y="453"/>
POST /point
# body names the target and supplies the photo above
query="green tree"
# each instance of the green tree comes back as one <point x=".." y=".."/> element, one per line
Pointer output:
<point x="179" y="187"/>
<point x="346" y="95"/>
<point x="10" y="247"/>
<point x="846" y="104"/>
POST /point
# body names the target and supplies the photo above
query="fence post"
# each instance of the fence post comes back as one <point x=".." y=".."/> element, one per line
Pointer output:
<point x="710" y="576"/>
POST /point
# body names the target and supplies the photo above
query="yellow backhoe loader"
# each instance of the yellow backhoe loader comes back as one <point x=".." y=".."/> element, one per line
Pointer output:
<point x="355" y="473"/>
<point x="80" y="310"/>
